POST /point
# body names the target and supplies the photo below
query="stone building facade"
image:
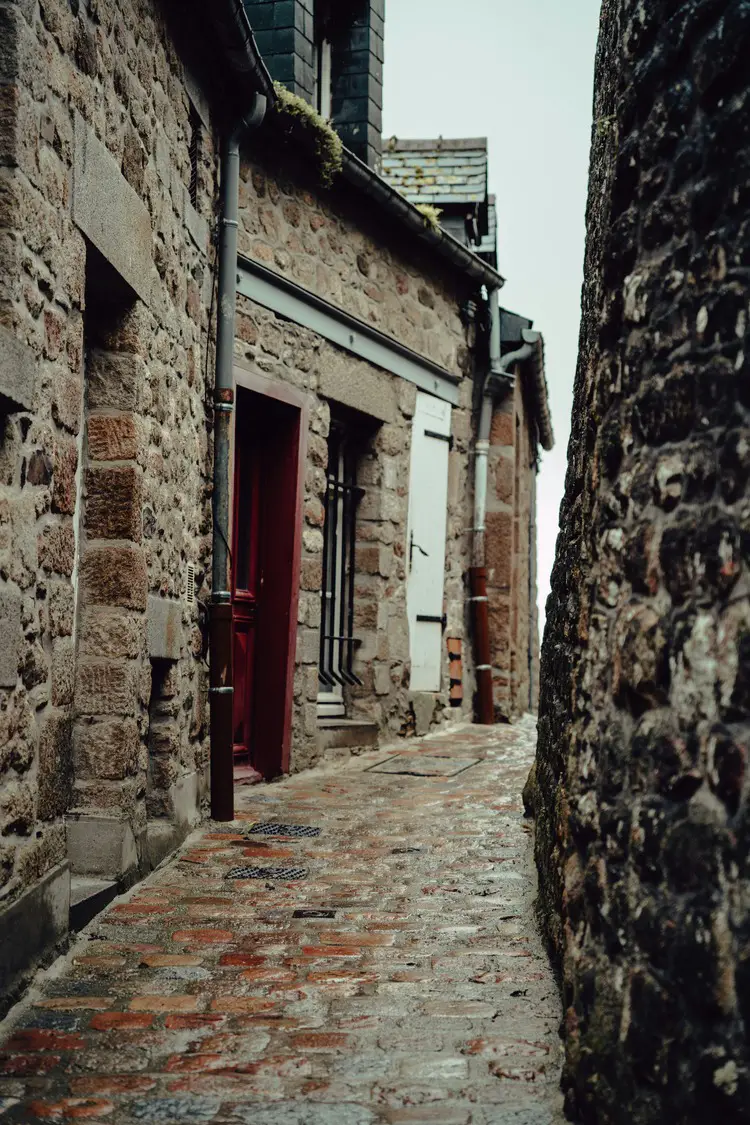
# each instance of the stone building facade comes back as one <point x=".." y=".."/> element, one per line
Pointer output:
<point x="359" y="333"/>
<point x="643" y="810"/>
<point x="329" y="245"/>
<point x="105" y="453"/>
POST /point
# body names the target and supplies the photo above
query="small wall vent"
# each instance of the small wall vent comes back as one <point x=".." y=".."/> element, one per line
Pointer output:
<point x="190" y="583"/>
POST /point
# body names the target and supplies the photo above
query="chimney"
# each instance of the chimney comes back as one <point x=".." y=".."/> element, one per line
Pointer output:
<point x="329" y="52"/>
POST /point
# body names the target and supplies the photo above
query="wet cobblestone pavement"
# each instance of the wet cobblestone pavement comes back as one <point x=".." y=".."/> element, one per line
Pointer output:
<point x="420" y="993"/>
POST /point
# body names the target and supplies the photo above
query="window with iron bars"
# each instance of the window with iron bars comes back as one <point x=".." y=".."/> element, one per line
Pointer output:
<point x="337" y="641"/>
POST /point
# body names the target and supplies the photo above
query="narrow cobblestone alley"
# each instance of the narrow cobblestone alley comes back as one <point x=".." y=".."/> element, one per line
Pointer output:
<point x="390" y="973"/>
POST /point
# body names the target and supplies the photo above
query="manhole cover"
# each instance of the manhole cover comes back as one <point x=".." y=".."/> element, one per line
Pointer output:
<point x="314" y="914"/>
<point x="281" y="873"/>
<point x="270" y="828"/>
<point x="424" y="765"/>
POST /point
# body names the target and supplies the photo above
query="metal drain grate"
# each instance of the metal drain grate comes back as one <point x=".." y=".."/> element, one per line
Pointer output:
<point x="424" y="765"/>
<point x="314" y="914"/>
<point x="270" y="828"/>
<point x="281" y="873"/>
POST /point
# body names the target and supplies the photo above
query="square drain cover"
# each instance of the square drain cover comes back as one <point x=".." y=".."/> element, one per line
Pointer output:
<point x="425" y="765"/>
<point x="281" y="873"/>
<point x="271" y="828"/>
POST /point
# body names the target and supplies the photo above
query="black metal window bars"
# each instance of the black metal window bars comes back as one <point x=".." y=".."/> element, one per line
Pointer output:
<point x="336" y="664"/>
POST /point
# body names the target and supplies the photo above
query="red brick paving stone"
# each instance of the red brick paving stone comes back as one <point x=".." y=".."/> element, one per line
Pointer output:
<point x="44" y="1039"/>
<point x="76" y="1003"/>
<point x="319" y="1040"/>
<point x="164" y="960"/>
<point x="193" y="1021"/>
<point x="100" y="962"/>
<point x="26" y="1066"/>
<point x="114" y="1084"/>
<point x="246" y="960"/>
<point x="269" y="976"/>
<point x="355" y="940"/>
<point x="72" y="1108"/>
<point x="141" y="908"/>
<point x="341" y="976"/>
<point x="206" y="937"/>
<point x="242" y="1005"/>
<point x="121" y="1021"/>
<point x="170" y="1003"/>
<point x="268" y="853"/>
<point x="321" y="952"/>
<point x="198" y="1062"/>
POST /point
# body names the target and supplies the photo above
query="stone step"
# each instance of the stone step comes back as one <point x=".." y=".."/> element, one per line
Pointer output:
<point x="88" y="897"/>
<point x="347" y="734"/>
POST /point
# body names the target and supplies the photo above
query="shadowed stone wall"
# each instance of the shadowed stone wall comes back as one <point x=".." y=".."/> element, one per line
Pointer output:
<point x="643" y="813"/>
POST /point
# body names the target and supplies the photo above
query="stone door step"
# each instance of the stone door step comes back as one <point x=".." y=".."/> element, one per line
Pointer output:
<point x="88" y="897"/>
<point x="347" y="734"/>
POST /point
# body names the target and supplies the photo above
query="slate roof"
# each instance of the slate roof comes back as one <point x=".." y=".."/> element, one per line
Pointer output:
<point x="442" y="172"/>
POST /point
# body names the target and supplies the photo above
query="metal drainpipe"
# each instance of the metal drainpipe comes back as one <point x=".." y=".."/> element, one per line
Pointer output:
<point x="221" y="690"/>
<point x="479" y="599"/>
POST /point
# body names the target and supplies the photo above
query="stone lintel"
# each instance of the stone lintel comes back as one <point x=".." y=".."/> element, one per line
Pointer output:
<point x="364" y="389"/>
<point x="110" y="214"/>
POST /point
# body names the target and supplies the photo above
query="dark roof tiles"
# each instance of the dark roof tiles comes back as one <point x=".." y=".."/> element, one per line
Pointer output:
<point x="440" y="171"/>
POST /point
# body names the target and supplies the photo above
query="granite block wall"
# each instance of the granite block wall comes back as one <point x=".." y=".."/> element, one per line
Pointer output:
<point x="104" y="443"/>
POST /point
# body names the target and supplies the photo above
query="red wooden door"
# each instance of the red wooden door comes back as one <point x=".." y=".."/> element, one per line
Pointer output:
<point x="246" y="581"/>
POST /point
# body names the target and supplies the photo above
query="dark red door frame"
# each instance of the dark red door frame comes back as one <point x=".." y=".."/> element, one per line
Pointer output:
<point x="276" y="637"/>
<point x="245" y="572"/>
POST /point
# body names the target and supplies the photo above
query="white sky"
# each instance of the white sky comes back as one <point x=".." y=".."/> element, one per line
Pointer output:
<point x="519" y="72"/>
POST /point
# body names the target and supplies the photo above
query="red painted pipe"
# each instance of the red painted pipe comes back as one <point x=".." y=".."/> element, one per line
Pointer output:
<point x="480" y="608"/>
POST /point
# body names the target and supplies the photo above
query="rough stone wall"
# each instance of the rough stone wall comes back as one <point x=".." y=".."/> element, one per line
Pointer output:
<point x="340" y="253"/>
<point x="290" y="353"/>
<point x="325" y="246"/>
<point x="511" y="487"/>
<point x="643" y="839"/>
<point x="104" y="468"/>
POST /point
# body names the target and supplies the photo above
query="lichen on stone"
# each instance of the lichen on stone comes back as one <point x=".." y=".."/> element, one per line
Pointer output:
<point x="328" y="146"/>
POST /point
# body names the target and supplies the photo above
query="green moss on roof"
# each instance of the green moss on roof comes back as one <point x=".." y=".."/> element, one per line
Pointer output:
<point x="328" y="146"/>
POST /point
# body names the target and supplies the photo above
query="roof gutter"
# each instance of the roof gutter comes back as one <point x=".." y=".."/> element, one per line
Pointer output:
<point x="362" y="177"/>
<point x="239" y="47"/>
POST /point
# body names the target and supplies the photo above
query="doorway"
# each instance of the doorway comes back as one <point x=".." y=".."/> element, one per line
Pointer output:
<point x="266" y="529"/>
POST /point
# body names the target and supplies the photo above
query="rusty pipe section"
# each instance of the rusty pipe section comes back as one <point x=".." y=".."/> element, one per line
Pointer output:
<point x="483" y="666"/>
<point x="485" y="710"/>
<point x="498" y="380"/>
<point x="221" y="689"/>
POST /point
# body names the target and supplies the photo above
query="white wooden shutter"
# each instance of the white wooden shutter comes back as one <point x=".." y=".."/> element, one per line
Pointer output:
<point x="425" y="544"/>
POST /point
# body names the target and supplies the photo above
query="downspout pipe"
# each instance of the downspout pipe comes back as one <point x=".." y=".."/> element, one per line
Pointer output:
<point x="221" y="690"/>
<point x="498" y="378"/>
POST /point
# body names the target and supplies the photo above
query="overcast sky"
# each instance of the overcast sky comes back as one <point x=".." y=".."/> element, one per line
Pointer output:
<point x="520" y="74"/>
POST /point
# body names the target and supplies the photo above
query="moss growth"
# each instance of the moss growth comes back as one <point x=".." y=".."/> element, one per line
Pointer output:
<point x="430" y="214"/>
<point x="328" y="146"/>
